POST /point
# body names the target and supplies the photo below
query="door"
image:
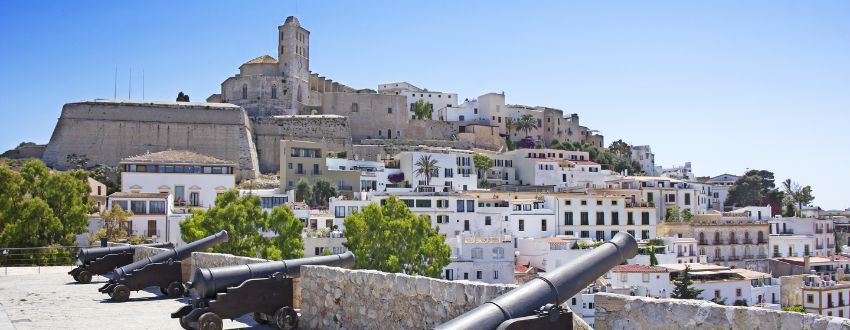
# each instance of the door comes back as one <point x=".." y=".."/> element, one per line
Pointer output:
<point x="194" y="198"/>
<point x="152" y="228"/>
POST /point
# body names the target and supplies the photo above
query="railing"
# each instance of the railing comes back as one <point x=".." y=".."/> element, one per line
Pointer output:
<point x="819" y="231"/>
<point x="748" y="241"/>
<point x="820" y="246"/>
<point x="316" y="172"/>
<point x="733" y="258"/>
<point x="152" y="233"/>
<point x="830" y="231"/>
<point x="807" y="253"/>
<point x="367" y="173"/>
<point x="703" y="242"/>
<point x="787" y="232"/>
<point x="345" y="188"/>
<point x="761" y="256"/>
<point x="748" y="256"/>
<point x="639" y="205"/>
<point x="762" y="241"/>
<point x="39" y="256"/>
<point x="777" y="254"/>
<point x="717" y="242"/>
<point x="734" y="241"/>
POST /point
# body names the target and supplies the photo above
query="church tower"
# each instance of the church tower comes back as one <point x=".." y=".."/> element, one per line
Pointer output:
<point x="294" y="61"/>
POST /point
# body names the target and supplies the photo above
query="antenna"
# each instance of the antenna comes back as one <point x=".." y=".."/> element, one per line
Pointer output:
<point x="130" y="85"/>
<point x="115" y="84"/>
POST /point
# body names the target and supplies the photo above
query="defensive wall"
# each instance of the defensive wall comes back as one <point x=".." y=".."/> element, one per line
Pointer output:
<point x="105" y="131"/>
<point x="332" y="130"/>
<point x="615" y="311"/>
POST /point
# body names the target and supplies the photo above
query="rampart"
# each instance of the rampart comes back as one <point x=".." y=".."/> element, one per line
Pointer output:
<point x="332" y="130"/>
<point x="107" y="131"/>
<point x="639" y="313"/>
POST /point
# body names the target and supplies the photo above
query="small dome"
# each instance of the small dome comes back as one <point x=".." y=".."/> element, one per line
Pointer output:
<point x="291" y="20"/>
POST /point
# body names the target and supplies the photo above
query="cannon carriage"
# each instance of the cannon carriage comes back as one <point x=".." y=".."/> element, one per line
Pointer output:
<point x="163" y="270"/>
<point x="102" y="260"/>
<point x="264" y="290"/>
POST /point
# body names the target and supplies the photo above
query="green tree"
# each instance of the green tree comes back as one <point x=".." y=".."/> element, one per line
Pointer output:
<point x="322" y="191"/>
<point x="526" y="123"/>
<point x="755" y="188"/>
<point x="653" y="260"/>
<point x="790" y="211"/>
<point x="115" y="223"/>
<point x="795" y="309"/>
<point x="796" y="194"/>
<point x="482" y="164"/>
<point x="303" y="192"/>
<point x="181" y="97"/>
<point x="687" y="215"/>
<point x="621" y="149"/>
<point x="391" y="238"/>
<point x="426" y="167"/>
<point x="243" y="219"/>
<point x="422" y="109"/>
<point x="39" y="207"/>
<point x="684" y="289"/>
<point x="510" y="125"/>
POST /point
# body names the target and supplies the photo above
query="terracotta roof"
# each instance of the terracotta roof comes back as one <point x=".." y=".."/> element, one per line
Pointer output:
<point x="520" y="268"/>
<point x="122" y="194"/>
<point x="183" y="157"/>
<point x="635" y="268"/>
<point x="265" y="59"/>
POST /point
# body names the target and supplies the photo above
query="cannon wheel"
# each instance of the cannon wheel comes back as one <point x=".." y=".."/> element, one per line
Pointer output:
<point x="84" y="277"/>
<point x="285" y="318"/>
<point x="185" y="324"/>
<point x="175" y="290"/>
<point x="120" y="293"/>
<point x="260" y="318"/>
<point x="209" y="321"/>
<point x="164" y="291"/>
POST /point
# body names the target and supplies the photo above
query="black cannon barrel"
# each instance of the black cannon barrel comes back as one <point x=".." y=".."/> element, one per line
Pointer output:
<point x="554" y="287"/>
<point x="206" y="282"/>
<point x="176" y="254"/>
<point x="98" y="252"/>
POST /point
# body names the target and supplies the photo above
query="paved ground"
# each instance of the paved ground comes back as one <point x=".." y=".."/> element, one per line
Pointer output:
<point x="48" y="298"/>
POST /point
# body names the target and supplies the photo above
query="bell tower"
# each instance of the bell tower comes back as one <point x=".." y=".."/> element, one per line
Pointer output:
<point x="294" y="61"/>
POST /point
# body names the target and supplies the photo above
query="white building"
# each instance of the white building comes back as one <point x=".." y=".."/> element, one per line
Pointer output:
<point x="151" y="212"/>
<point x="661" y="193"/>
<point x="600" y="217"/>
<point x="481" y="258"/>
<point x="668" y="250"/>
<point x="824" y="296"/>
<point x="683" y="172"/>
<point x="641" y="280"/>
<point x="721" y="183"/>
<point x="193" y="180"/>
<point x="439" y="101"/>
<point x="731" y="285"/>
<point x="270" y="198"/>
<point x="798" y="237"/>
<point x="644" y="156"/>
<point x="456" y="169"/>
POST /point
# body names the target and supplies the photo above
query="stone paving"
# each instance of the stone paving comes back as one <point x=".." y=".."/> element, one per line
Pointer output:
<point x="48" y="298"/>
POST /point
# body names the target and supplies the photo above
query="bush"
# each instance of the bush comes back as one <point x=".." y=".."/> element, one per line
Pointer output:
<point x="526" y="144"/>
<point x="794" y="309"/>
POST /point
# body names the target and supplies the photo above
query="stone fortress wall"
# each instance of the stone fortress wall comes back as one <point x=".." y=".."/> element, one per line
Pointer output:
<point x="333" y="131"/>
<point x="107" y="131"/>
<point x="614" y="312"/>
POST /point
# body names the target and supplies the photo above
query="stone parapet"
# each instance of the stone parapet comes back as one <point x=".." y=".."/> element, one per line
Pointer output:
<point x="615" y="311"/>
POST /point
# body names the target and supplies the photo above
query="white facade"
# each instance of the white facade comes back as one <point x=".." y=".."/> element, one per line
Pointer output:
<point x="798" y="237"/>
<point x="374" y="176"/>
<point x="644" y="156"/>
<point x="481" y="258"/>
<point x="150" y="211"/>
<point x="456" y="169"/>
<point x="728" y="285"/>
<point x="641" y="280"/>
<point x="599" y="217"/>
<point x="674" y="250"/>
<point x="824" y="296"/>
<point x="438" y="100"/>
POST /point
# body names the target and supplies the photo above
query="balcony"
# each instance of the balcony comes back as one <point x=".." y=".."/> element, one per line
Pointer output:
<point x="345" y="188"/>
<point x="786" y="232"/>
<point x="761" y="256"/>
<point x="762" y="241"/>
<point x="819" y="231"/>
<point x="717" y="242"/>
<point x="830" y="230"/>
<point x="777" y="255"/>
<point x="733" y="258"/>
<point x="830" y="246"/>
<point x="749" y="256"/>
<point x="703" y="242"/>
<point x="734" y="241"/>
<point x="748" y="241"/>
<point x="820" y="246"/>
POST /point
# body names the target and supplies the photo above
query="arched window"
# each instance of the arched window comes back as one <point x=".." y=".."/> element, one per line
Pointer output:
<point x="498" y="253"/>
<point x="244" y="91"/>
<point x="747" y="236"/>
<point x="761" y="236"/>
<point x="274" y="91"/>
<point x="298" y="96"/>
<point x="717" y="238"/>
<point x="716" y="252"/>
<point x="732" y="238"/>
<point x="702" y="238"/>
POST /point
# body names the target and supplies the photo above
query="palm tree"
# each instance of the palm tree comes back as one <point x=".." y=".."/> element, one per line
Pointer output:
<point x="322" y="191"/>
<point x="510" y="125"/>
<point x="426" y="166"/>
<point x="795" y="194"/>
<point x="526" y="123"/>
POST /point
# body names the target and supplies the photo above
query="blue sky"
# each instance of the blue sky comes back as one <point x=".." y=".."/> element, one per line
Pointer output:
<point x="728" y="85"/>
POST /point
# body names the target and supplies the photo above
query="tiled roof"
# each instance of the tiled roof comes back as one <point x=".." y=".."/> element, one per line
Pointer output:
<point x="184" y="157"/>
<point x="121" y="194"/>
<point x="265" y="59"/>
<point x="635" y="268"/>
<point x="521" y="268"/>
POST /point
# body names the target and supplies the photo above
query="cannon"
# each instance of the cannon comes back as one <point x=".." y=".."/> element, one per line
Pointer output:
<point x="162" y="270"/>
<point x="537" y="303"/>
<point x="102" y="260"/>
<point x="263" y="289"/>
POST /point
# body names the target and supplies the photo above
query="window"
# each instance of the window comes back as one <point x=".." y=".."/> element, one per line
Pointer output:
<point x="442" y="203"/>
<point x="521" y="225"/>
<point x="244" y="91"/>
<point x="465" y="276"/>
<point x="339" y="211"/>
<point x="584" y="234"/>
<point x="645" y="277"/>
<point x="630" y="218"/>
<point x="599" y="202"/>
<point x="423" y="203"/>
<point x="716" y="294"/>
<point x="615" y="218"/>
<point x="460" y="205"/>
<point x="498" y="253"/>
<point x="470" y="206"/>
<point x="644" y="234"/>
<point x="495" y="274"/>
<point x="568" y="218"/>
<point x="274" y="91"/>
<point x="584" y="219"/>
<point x="389" y="110"/>
<point x="355" y="108"/>
<point x="543" y="225"/>
<point x="138" y="207"/>
<point x="466" y="225"/>
<point x="687" y="199"/>
<point x="442" y="219"/>
<point x="477" y="253"/>
<point x="568" y="202"/>
<point x="644" y="218"/>
<point x="631" y="232"/>
<point x="156" y="207"/>
<point x="624" y="277"/>
<point x="487" y="220"/>
<point x="316" y="169"/>
<point x="737" y="292"/>
<point x="583" y="202"/>
<point x="600" y="218"/>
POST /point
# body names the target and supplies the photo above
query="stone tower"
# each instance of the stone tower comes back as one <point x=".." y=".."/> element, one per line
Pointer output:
<point x="294" y="61"/>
